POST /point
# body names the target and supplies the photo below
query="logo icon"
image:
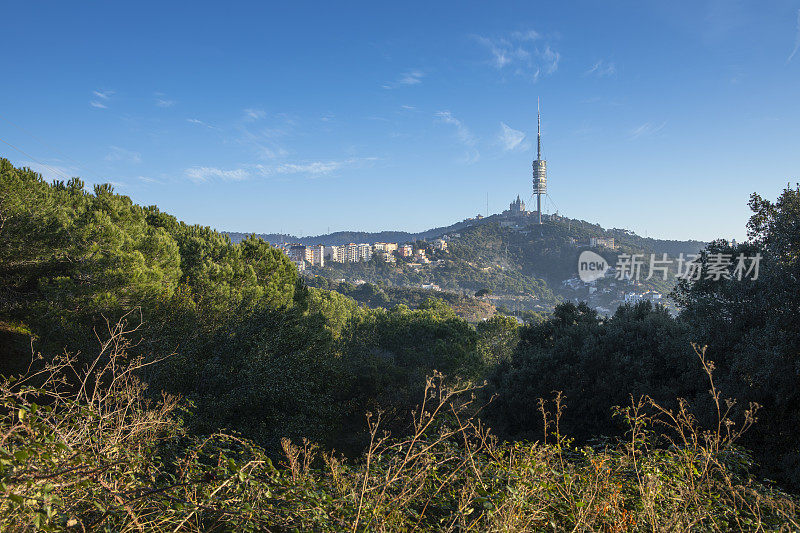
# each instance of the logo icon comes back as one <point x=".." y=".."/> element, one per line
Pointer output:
<point x="591" y="266"/>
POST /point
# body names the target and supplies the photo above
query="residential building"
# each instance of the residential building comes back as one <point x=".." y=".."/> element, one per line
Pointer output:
<point x="605" y="242"/>
<point x="406" y="250"/>
<point x="296" y="252"/>
<point x="387" y="247"/>
<point x="364" y="252"/>
<point x="315" y="255"/>
<point x="333" y="254"/>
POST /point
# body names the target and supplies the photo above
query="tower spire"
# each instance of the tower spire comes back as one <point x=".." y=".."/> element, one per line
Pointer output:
<point x="538" y="128"/>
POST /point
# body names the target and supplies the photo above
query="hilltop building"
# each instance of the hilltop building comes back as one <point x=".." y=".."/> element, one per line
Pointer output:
<point x="516" y="209"/>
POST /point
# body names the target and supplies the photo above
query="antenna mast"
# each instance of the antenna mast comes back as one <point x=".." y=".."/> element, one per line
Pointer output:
<point x="538" y="128"/>
<point x="540" y="165"/>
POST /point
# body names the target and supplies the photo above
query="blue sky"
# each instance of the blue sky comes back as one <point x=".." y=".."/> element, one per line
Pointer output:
<point x="661" y="117"/>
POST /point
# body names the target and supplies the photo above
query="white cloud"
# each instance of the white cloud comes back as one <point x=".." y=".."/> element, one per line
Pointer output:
<point x="408" y="107"/>
<point x="647" y="129"/>
<point x="551" y="59"/>
<point x="463" y="134"/>
<point x="162" y="100"/>
<point x="796" y="39"/>
<point x="520" y="53"/>
<point x="148" y="179"/>
<point x="101" y="98"/>
<point x="266" y="138"/>
<point x="121" y="154"/>
<point x="199" y="122"/>
<point x="412" y="77"/>
<point x="602" y="69"/>
<point x="530" y="35"/>
<point x="312" y="168"/>
<point x="315" y="167"/>
<point x="251" y="114"/>
<point x="510" y="138"/>
<point x="409" y="77"/>
<point x="204" y="174"/>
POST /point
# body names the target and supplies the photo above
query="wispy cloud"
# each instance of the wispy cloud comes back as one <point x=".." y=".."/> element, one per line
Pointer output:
<point x="412" y="77"/>
<point x="647" y="129"/>
<point x="252" y="114"/>
<point x="602" y="69"/>
<point x="409" y="77"/>
<point x="796" y="39"/>
<point x="101" y="99"/>
<point x="121" y="154"/>
<point x="312" y="168"/>
<point x="148" y="179"/>
<point x="264" y="143"/>
<point x="204" y="174"/>
<point x="463" y="134"/>
<point x="408" y="107"/>
<point x="199" y="122"/>
<point x="265" y="137"/>
<point x="510" y="139"/>
<point x="524" y="54"/>
<point x="161" y="100"/>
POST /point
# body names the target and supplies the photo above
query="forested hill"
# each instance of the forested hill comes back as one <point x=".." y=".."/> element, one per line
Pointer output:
<point x="582" y="229"/>
<point x="345" y="237"/>
<point x="522" y="264"/>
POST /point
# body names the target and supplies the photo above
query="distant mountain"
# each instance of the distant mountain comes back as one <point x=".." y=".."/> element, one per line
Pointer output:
<point x="577" y="229"/>
<point x="345" y="237"/>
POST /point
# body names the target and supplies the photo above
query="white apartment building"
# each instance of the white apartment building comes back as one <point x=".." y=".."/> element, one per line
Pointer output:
<point x="364" y="252"/>
<point x="348" y="253"/>
<point x="315" y="255"/>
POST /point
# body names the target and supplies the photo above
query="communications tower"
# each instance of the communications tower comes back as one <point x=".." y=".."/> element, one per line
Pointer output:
<point x="539" y="165"/>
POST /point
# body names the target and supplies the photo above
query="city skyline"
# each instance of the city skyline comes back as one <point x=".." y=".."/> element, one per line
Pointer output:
<point x="304" y="120"/>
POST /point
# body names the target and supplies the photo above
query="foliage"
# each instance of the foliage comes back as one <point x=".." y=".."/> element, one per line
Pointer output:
<point x="753" y="328"/>
<point x="595" y="362"/>
<point x="103" y="456"/>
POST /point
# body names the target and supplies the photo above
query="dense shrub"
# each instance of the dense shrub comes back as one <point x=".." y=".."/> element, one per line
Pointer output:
<point x="101" y="455"/>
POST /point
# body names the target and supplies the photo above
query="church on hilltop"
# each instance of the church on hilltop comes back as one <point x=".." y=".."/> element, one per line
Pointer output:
<point x="516" y="209"/>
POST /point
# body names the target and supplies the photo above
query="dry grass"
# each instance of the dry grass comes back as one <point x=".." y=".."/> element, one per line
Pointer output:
<point x="84" y="450"/>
